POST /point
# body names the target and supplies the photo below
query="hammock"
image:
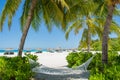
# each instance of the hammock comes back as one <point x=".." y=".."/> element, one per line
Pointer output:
<point x="62" y="70"/>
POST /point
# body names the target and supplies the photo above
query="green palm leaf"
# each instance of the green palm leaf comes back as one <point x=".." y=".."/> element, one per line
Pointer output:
<point x="9" y="11"/>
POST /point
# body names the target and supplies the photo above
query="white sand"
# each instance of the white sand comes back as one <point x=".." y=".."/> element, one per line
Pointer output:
<point x="49" y="59"/>
<point x="53" y="59"/>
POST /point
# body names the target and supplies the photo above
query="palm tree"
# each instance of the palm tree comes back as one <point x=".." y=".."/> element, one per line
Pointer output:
<point x="88" y="31"/>
<point x="109" y="6"/>
<point x="27" y="25"/>
<point x="10" y="14"/>
<point x="31" y="14"/>
<point x="76" y="25"/>
<point x="114" y="28"/>
<point x="49" y="14"/>
<point x="84" y="17"/>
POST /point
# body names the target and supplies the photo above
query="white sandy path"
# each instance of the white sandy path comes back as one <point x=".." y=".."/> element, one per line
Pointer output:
<point x="48" y="59"/>
<point x="53" y="59"/>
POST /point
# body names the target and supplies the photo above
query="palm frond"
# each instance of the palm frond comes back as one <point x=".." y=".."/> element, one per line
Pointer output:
<point x="53" y="14"/>
<point x="101" y="10"/>
<point x="114" y="28"/>
<point x="70" y="28"/>
<point x="9" y="11"/>
<point x="117" y="12"/>
<point x="37" y="16"/>
<point x="78" y="28"/>
<point x="23" y="18"/>
<point x="84" y="35"/>
<point x="83" y="41"/>
<point x="63" y="4"/>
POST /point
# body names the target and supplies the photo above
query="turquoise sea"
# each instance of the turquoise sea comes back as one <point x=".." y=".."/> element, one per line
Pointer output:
<point x="33" y="50"/>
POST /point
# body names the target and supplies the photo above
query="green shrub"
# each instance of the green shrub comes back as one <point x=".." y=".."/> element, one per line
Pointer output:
<point x="97" y="77"/>
<point x="31" y="56"/>
<point x="3" y="63"/>
<point x="96" y="62"/>
<point x="32" y="60"/>
<point x="15" y="68"/>
<point x="111" y="71"/>
<point x="77" y="58"/>
<point x="98" y="71"/>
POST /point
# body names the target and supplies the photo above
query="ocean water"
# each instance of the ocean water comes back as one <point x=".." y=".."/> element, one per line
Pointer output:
<point x="33" y="50"/>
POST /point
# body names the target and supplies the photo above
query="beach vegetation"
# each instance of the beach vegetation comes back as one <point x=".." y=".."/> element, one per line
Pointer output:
<point x="89" y="20"/>
<point x="113" y="44"/>
<point x="109" y="71"/>
<point x="32" y="60"/>
<point x="98" y="70"/>
<point x="75" y="59"/>
<point x="106" y="9"/>
<point x="31" y="56"/>
<point x="51" y="11"/>
<point x="109" y="7"/>
<point x="15" y="68"/>
<point x="85" y="20"/>
<point x="97" y="15"/>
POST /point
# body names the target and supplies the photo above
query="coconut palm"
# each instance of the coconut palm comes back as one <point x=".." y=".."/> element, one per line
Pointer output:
<point x="88" y="31"/>
<point x="11" y="11"/>
<point x="106" y="6"/>
<point x="111" y="7"/>
<point x="97" y="22"/>
<point x="114" y="28"/>
<point x="31" y="14"/>
<point x="27" y="25"/>
<point x="85" y="17"/>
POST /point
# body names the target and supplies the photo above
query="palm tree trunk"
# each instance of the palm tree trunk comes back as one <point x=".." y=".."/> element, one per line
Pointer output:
<point x="88" y="36"/>
<point x="27" y="26"/>
<point x="105" y="34"/>
<point x="89" y="39"/>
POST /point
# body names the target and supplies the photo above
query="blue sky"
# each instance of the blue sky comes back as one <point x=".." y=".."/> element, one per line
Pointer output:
<point x="40" y="39"/>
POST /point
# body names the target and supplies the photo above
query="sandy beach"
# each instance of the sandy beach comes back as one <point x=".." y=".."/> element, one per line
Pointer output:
<point x="49" y="59"/>
<point x="53" y="59"/>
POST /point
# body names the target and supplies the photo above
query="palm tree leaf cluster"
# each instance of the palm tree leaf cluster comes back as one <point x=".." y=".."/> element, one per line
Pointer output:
<point x="36" y="17"/>
<point x="91" y="18"/>
<point x="52" y="11"/>
<point x="9" y="12"/>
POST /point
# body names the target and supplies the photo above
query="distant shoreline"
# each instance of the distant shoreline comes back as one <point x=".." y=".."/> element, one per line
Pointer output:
<point x="15" y="50"/>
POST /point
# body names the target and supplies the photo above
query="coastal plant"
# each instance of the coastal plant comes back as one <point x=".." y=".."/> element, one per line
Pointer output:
<point x="83" y="20"/>
<point x="96" y="62"/>
<point x="32" y="60"/>
<point x="114" y="42"/>
<point x="107" y="6"/>
<point x="2" y="65"/>
<point x="100" y="71"/>
<point x="34" y="11"/>
<point x="31" y="56"/>
<point x="109" y="73"/>
<point x="74" y="59"/>
<point x="89" y="22"/>
<point x="15" y="68"/>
